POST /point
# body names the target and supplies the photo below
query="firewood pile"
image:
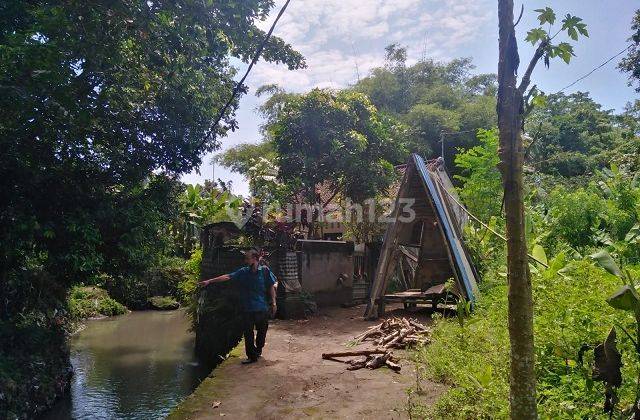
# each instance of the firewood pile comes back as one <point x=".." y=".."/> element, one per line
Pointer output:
<point x="392" y="333"/>
<point x="396" y="333"/>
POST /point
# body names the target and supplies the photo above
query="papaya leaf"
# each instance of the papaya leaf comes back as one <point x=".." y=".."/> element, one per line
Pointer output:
<point x="546" y="15"/>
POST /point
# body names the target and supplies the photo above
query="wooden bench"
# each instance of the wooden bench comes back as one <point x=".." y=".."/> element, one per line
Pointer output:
<point x="412" y="297"/>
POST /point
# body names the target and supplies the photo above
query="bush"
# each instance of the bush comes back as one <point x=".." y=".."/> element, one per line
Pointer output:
<point x="34" y="364"/>
<point x="482" y="184"/>
<point x="163" y="303"/>
<point x="90" y="302"/>
<point x="474" y="359"/>
<point x="575" y="216"/>
<point x="161" y="280"/>
<point x="188" y="286"/>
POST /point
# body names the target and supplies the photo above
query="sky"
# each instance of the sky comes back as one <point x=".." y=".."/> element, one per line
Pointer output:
<point x="342" y="40"/>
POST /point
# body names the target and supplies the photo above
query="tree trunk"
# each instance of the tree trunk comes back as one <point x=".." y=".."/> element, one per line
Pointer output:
<point x="522" y="380"/>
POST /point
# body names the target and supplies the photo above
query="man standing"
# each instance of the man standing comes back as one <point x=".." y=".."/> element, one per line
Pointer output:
<point x="255" y="283"/>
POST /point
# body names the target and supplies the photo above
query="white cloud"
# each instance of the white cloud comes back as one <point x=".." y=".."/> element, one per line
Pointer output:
<point x="336" y="35"/>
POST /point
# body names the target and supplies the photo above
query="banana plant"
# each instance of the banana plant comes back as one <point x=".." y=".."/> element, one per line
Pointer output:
<point x="607" y="357"/>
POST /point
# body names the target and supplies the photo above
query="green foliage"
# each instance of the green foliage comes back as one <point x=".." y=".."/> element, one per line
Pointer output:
<point x="160" y="280"/>
<point x="480" y="177"/>
<point x="565" y="318"/>
<point x="188" y="287"/>
<point x="572" y="135"/>
<point x="432" y="97"/>
<point x="96" y="98"/>
<point x="197" y="207"/>
<point x="572" y="25"/>
<point x="163" y="303"/>
<point x="34" y="364"/>
<point x="257" y="162"/>
<point x="631" y="63"/>
<point x="90" y="302"/>
<point x="575" y="216"/>
<point x="607" y="357"/>
<point x="335" y="138"/>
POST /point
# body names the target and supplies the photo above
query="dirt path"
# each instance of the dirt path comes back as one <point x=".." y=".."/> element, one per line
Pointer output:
<point x="292" y="381"/>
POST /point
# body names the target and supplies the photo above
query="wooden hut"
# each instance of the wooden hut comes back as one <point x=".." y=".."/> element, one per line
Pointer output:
<point x="423" y="252"/>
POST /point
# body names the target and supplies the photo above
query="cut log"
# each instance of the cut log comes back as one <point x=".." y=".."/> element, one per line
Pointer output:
<point x="371" y="330"/>
<point x="390" y="337"/>
<point x="352" y="353"/>
<point x="378" y="361"/>
<point x="418" y="325"/>
<point x="392" y="365"/>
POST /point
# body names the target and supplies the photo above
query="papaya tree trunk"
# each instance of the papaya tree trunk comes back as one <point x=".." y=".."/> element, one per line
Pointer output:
<point x="510" y="109"/>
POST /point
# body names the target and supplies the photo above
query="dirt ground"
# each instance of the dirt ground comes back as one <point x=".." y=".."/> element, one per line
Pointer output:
<point x="292" y="381"/>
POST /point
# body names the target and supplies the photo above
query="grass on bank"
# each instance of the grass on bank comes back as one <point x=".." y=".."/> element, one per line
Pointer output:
<point x="91" y="302"/>
<point x="571" y="314"/>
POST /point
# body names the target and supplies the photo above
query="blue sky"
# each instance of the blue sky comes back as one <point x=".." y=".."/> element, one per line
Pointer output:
<point x="341" y="38"/>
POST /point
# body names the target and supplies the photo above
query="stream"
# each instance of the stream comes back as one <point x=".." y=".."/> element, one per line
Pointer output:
<point x="135" y="366"/>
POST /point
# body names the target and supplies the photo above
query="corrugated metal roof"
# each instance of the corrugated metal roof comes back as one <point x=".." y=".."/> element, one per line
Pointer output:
<point x="432" y="189"/>
<point x="448" y="221"/>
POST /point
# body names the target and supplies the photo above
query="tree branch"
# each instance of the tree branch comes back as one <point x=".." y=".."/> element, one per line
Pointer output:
<point x="519" y="17"/>
<point x="526" y="78"/>
<point x="528" y="106"/>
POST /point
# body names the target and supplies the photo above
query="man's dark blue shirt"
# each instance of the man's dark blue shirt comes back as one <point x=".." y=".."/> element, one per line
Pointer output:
<point x="253" y="287"/>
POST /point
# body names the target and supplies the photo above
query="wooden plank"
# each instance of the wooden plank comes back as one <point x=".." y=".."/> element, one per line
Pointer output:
<point x="379" y="284"/>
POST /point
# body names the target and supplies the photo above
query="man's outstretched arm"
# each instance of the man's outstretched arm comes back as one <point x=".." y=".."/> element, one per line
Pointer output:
<point x="219" y="279"/>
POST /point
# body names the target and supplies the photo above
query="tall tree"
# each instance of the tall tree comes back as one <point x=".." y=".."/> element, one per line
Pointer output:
<point x="335" y="138"/>
<point x="513" y="103"/>
<point x="572" y="135"/>
<point x="95" y="97"/>
<point x="631" y="63"/>
<point x="432" y="98"/>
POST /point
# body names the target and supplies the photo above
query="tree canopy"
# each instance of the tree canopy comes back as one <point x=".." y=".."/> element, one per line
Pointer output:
<point x="335" y="138"/>
<point x="631" y="63"/>
<point x="96" y="97"/>
<point x="432" y="98"/>
<point x="571" y="135"/>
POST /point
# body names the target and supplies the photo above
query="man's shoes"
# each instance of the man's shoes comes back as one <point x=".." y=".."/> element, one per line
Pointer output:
<point x="249" y="361"/>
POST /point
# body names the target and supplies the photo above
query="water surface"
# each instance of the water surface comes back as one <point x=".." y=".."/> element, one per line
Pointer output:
<point x="135" y="366"/>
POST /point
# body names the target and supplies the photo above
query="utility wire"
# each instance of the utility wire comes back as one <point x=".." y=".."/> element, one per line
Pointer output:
<point x="471" y="215"/>
<point x="595" y="69"/>
<point x="238" y="85"/>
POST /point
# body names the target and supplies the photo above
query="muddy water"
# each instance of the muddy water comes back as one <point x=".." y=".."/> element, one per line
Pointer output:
<point x="136" y="366"/>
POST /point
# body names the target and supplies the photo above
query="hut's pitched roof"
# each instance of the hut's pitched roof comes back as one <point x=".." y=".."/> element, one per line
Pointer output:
<point x="439" y="220"/>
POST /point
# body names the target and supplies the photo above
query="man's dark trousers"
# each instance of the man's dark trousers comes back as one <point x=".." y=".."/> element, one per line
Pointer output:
<point x="260" y="322"/>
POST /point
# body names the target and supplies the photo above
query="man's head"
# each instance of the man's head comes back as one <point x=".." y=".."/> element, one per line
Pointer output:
<point x="251" y="257"/>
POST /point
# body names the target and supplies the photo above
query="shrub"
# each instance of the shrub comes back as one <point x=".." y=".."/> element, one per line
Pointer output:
<point x="189" y="284"/>
<point x="163" y="303"/>
<point x="474" y="359"/>
<point x="89" y="302"/>
<point x="160" y="280"/>
<point x="482" y="184"/>
<point x="575" y="216"/>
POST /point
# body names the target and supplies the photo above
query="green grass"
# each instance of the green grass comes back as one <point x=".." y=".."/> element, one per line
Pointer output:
<point x="570" y="311"/>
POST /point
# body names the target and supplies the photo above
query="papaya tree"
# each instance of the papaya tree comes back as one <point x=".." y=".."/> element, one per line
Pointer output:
<point x="514" y="101"/>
